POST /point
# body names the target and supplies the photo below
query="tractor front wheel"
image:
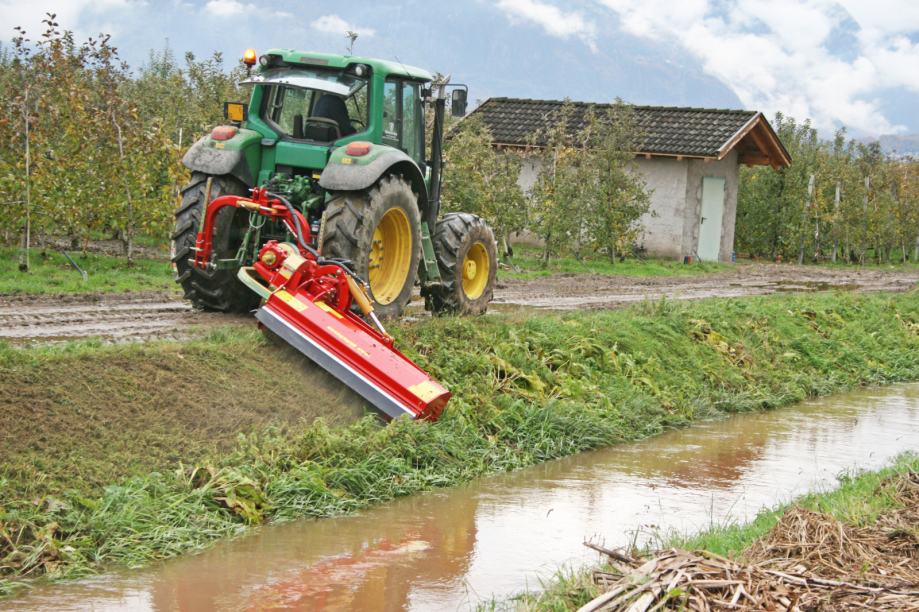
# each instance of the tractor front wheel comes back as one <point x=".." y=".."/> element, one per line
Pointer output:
<point x="216" y="289"/>
<point x="467" y="256"/>
<point x="379" y="231"/>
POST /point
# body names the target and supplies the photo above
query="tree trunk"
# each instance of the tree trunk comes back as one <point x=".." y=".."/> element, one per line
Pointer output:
<point x="128" y="237"/>
<point x="27" y="229"/>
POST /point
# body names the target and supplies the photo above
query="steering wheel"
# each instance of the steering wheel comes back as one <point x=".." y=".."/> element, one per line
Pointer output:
<point x="326" y="122"/>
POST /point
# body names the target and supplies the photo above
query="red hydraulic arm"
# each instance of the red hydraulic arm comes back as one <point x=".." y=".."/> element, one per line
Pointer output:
<point x="308" y="302"/>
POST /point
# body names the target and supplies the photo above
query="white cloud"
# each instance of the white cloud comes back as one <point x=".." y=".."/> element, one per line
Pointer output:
<point x="333" y="24"/>
<point x="234" y="8"/>
<point x="776" y="56"/>
<point x="29" y="15"/>
<point x="227" y="8"/>
<point x="553" y="20"/>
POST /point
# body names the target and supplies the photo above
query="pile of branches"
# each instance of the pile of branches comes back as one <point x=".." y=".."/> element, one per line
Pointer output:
<point x="808" y="561"/>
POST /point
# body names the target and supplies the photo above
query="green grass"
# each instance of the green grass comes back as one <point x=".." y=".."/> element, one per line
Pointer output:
<point x="51" y="274"/>
<point x="528" y="261"/>
<point x="858" y="500"/>
<point x="527" y="388"/>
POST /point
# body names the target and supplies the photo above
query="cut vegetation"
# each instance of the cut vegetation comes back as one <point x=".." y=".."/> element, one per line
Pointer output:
<point x="81" y="486"/>
<point x="852" y="548"/>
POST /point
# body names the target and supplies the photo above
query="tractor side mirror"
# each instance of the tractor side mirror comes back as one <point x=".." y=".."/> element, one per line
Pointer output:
<point x="458" y="103"/>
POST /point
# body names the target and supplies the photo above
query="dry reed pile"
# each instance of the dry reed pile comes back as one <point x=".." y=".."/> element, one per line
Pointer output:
<point x="808" y="561"/>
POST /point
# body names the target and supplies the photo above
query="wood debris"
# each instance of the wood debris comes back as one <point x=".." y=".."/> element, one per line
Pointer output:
<point x="808" y="561"/>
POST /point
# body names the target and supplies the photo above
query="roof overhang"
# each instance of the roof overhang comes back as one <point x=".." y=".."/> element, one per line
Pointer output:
<point x="757" y="144"/>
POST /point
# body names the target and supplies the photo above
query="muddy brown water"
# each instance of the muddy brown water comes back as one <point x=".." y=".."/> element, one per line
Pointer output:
<point x="455" y="548"/>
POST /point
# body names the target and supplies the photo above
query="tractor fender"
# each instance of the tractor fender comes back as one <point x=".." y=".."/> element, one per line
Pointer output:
<point x="349" y="173"/>
<point x="238" y="157"/>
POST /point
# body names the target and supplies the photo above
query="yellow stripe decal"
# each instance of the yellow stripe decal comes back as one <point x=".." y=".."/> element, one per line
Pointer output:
<point x="426" y="390"/>
<point x="329" y="309"/>
<point x="294" y="303"/>
<point x="347" y="341"/>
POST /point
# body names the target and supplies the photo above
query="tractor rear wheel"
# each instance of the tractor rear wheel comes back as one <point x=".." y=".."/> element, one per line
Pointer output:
<point x="218" y="290"/>
<point x="467" y="256"/>
<point x="379" y="231"/>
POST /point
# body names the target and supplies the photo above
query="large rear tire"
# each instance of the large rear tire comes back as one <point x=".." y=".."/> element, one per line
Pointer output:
<point x="218" y="290"/>
<point x="379" y="231"/>
<point x="467" y="256"/>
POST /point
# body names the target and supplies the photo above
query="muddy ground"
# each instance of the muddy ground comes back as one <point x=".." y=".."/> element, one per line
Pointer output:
<point x="143" y="316"/>
<point x="112" y="317"/>
<point x="571" y="291"/>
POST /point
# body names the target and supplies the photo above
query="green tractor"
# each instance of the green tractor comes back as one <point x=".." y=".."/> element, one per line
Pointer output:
<point x="343" y="139"/>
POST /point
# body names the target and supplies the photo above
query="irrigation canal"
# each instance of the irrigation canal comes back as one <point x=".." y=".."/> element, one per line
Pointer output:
<point x="451" y="549"/>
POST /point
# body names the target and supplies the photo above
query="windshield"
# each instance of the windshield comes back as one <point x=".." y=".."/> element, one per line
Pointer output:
<point x="317" y="105"/>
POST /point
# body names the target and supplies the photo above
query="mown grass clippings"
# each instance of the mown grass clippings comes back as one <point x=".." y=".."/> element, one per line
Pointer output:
<point x="527" y="388"/>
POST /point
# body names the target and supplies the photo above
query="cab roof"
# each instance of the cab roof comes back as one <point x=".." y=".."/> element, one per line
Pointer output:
<point x="386" y="67"/>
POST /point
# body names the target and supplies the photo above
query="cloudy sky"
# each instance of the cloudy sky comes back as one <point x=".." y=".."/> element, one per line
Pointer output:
<point x="839" y="62"/>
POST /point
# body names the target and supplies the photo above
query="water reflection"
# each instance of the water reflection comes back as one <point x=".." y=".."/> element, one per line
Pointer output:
<point x="449" y="549"/>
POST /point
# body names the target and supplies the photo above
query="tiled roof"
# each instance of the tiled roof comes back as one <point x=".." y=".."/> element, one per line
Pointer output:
<point x="693" y="132"/>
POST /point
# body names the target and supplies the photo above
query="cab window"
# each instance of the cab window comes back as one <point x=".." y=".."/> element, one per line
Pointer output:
<point x="403" y="117"/>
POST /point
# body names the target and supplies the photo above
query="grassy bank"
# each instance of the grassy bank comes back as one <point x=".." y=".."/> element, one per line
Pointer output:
<point x="51" y="273"/>
<point x="528" y="388"/>
<point x="858" y="501"/>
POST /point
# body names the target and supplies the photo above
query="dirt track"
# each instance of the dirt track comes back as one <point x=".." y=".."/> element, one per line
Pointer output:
<point x="143" y="316"/>
<point x="115" y="318"/>
<point x="570" y="291"/>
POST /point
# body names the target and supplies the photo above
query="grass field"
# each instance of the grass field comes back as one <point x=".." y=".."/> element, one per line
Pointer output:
<point x="527" y="263"/>
<point x="527" y="388"/>
<point x="51" y="273"/>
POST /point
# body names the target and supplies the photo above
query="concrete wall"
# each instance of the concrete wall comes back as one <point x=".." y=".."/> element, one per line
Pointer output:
<point x="671" y="227"/>
<point x="529" y="172"/>
<point x="663" y="224"/>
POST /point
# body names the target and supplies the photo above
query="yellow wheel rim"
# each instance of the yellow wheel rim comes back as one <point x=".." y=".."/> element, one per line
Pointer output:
<point x="476" y="267"/>
<point x="390" y="256"/>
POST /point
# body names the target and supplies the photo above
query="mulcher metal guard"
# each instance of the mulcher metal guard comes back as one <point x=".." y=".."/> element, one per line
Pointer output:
<point x="307" y="303"/>
<point x="379" y="373"/>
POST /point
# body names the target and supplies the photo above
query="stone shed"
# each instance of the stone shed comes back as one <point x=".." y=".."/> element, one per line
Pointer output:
<point x="689" y="159"/>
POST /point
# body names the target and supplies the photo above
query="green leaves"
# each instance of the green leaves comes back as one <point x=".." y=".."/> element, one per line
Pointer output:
<point x="587" y="197"/>
<point x="482" y="180"/>
<point x="839" y="201"/>
<point x="104" y="145"/>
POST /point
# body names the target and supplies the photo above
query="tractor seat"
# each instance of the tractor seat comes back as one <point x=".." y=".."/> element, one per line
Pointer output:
<point x="333" y="107"/>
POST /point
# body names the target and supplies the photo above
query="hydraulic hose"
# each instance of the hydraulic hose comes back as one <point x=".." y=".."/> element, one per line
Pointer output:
<point x="294" y="215"/>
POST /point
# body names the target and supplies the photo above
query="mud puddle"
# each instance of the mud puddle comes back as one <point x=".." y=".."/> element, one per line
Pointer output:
<point x="456" y="548"/>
